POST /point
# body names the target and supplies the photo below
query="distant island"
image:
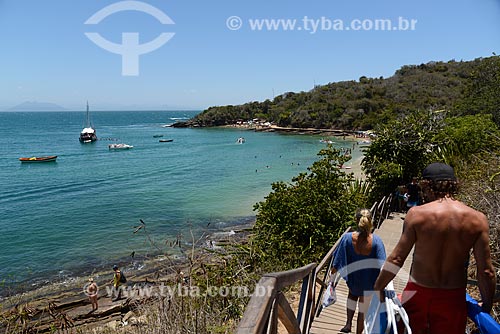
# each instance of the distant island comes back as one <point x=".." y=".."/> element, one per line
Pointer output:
<point x="37" y="106"/>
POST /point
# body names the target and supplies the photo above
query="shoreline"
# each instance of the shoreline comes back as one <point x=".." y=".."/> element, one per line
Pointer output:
<point x="310" y="131"/>
<point x="69" y="299"/>
<point x="141" y="266"/>
<point x="355" y="168"/>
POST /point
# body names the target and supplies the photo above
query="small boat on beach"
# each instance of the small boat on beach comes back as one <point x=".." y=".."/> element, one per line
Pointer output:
<point x="88" y="134"/>
<point x="165" y="140"/>
<point x="49" y="158"/>
<point x="119" y="146"/>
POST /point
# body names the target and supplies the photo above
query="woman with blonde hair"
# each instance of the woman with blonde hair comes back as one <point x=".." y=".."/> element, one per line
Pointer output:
<point x="358" y="259"/>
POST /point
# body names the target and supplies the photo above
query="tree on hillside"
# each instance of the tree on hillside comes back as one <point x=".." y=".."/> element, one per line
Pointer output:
<point x="405" y="146"/>
<point x="482" y="95"/>
<point x="401" y="150"/>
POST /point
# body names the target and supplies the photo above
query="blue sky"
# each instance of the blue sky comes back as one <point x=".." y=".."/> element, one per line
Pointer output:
<point x="46" y="57"/>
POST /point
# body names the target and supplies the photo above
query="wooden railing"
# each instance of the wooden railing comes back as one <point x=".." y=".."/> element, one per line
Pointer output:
<point x="268" y="303"/>
<point x="380" y="210"/>
<point x="327" y="259"/>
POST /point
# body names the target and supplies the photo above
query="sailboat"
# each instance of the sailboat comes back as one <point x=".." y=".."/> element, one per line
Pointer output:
<point x="88" y="134"/>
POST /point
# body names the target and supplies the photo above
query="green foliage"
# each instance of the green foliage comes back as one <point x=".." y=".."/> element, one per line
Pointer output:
<point x="298" y="222"/>
<point x="482" y="95"/>
<point x="404" y="147"/>
<point x="464" y="137"/>
<point x="466" y="87"/>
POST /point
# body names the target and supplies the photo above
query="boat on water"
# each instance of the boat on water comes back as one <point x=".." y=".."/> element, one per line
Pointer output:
<point x="165" y="140"/>
<point x="119" y="146"/>
<point x="240" y="140"/>
<point x="88" y="134"/>
<point x="326" y="141"/>
<point x="157" y="136"/>
<point x="49" y="158"/>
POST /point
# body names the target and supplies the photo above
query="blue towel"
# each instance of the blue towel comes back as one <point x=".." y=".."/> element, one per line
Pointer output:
<point x="359" y="271"/>
<point x="483" y="321"/>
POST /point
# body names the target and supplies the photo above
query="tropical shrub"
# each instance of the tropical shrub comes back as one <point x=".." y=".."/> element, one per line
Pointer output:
<point x="464" y="138"/>
<point x="402" y="149"/>
<point x="298" y="222"/>
<point x="405" y="146"/>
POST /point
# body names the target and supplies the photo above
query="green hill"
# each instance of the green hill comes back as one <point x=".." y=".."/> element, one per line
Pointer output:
<point x="360" y="105"/>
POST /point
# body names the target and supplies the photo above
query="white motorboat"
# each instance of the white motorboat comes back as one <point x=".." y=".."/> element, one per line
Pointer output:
<point x="119" y="146"/>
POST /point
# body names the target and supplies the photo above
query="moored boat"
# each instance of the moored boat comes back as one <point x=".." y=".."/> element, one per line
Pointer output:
<point x="326" y="141"/>
<point x="49" y="158"/>
<point x="165" y="140"/>
<point x="88" y="133"/>
<point x="119" y="146"/>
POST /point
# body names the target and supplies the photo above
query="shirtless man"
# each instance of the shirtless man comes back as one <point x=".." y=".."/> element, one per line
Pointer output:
<point x="443" y="230"/>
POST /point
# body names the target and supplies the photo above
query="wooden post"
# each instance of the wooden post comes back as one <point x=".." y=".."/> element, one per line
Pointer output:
<point x="286" y="315"/>
<point x="272" y="325"/>
<point x="257" y="311"/>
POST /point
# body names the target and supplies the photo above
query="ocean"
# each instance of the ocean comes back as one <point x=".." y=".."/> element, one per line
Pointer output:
<point x="77" y="215"/>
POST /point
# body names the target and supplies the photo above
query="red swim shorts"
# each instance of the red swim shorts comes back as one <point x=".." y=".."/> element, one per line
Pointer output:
<point x="435" y="310"/>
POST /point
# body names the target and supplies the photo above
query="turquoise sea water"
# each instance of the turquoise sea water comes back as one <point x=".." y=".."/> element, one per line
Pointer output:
<point x="77" y="214"/>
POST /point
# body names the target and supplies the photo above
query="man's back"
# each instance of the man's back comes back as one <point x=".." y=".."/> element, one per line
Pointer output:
<point x="445" y="230"/>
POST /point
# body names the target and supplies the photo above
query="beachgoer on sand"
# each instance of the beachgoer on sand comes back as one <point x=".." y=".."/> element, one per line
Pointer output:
<point x="442" y="232"/>
<point x="92" y="294"/>
<point x="358" y="259"/>
<point x="117" y="283"/>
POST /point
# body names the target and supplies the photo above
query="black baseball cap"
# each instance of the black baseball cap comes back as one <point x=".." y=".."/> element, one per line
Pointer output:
<point x="439" y="171"/>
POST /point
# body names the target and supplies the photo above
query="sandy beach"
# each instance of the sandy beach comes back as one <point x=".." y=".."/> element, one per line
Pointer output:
<point x="354" y="166"/>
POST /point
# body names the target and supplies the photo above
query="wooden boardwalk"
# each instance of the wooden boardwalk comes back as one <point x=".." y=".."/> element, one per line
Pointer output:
<point x="333" y="318"/>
